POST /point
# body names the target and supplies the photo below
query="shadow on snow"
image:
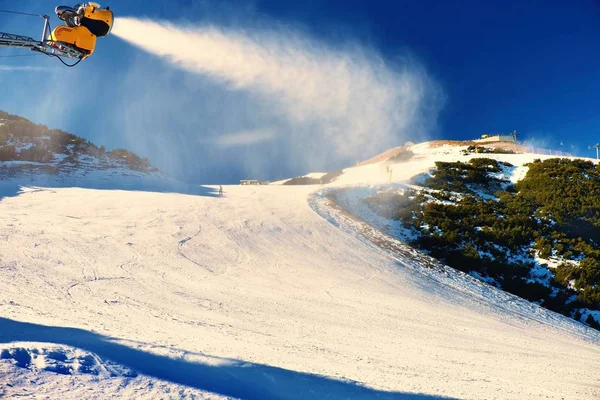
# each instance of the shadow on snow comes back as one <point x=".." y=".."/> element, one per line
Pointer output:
<point x="14" y="188"/>
<point x="230" y="378"/>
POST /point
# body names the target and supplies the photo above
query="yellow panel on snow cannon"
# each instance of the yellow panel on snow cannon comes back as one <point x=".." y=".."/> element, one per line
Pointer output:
<point x="98" y="21"/>
<point x="78" y="36"/>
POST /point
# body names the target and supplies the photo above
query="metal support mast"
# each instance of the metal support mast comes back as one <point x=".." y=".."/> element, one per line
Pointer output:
<point x="45" y="46"/>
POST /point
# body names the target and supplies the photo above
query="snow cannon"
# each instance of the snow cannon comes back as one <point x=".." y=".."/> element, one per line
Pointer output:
<point x="76" y="40"/>
<point x="85" y="22"/>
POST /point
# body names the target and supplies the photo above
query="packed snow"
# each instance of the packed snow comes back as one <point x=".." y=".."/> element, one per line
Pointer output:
<point x="137" y="290"/>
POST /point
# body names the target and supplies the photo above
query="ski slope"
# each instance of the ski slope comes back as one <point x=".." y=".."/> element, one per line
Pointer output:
<point x="264" y="293"/>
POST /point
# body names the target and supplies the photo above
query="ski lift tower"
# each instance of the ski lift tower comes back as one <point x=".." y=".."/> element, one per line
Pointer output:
<point x="596" y="146"/>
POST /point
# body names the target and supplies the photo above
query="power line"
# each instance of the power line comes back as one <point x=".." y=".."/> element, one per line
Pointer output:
<point x="43" y="39"/>
<point x="19" y="13"/>
<point x="21" y="55"/>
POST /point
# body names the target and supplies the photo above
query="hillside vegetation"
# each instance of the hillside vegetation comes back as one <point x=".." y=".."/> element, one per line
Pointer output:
<point x="305" y="180"/>
<point x="537" y="239"/>
<point x="22" y="140"/>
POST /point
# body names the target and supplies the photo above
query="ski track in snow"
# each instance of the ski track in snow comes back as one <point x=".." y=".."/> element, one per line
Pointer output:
<point x="268" y="292"/>
<point x="361" y="222"/>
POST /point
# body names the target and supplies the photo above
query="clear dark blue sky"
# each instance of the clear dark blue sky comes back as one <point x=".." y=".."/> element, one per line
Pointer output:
<point x="530" y="66"/>
<point x="533" y="66"/>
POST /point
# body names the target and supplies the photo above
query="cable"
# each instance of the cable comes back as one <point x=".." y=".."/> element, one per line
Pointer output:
<point x="21" y="55"/>
<point x="69" y="65"/>
<point x="50" y="27"/>
<point x="19" y="13"/>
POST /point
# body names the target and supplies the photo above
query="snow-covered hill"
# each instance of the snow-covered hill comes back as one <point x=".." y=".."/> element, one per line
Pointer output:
<point x="35" y="154"/>
<point x="267" y="292"/>
<point x="422" y="157"/>
<point x="385" y="193"/>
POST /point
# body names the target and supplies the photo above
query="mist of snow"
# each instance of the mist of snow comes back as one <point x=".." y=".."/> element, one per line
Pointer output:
<point x="346" y="101"/>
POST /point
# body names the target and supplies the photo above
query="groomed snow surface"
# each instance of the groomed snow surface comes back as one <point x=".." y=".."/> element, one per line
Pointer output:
<point x="264" y="293"/>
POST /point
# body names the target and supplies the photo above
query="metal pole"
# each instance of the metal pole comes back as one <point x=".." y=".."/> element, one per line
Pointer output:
<point x="46" y="25"/>
<point x="561" y="148"/>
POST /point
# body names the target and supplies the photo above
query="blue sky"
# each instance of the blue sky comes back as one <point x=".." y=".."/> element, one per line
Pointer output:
<point x="529" y="66"/>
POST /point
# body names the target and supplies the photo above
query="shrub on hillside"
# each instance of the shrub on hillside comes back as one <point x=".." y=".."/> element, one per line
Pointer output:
<point x="8" y="153"/>
<point x="325" y="179"/>
<point x="9" y="117"/>
<point x="488" y="150"/>
<point x="466" y="177"/>
<point x="132" y="160"/>
<point x="554" y="210"/>
<point x="23" y="129"/>
<point x="36" y="153"/>
<point x="302" y="180"/>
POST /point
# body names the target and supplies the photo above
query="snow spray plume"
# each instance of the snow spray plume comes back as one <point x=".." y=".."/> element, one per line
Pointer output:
<point x="348" y="103"/>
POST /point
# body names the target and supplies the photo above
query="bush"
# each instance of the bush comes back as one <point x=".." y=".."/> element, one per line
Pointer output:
<point x="22" y="357"/>
<point x="555" y="210"/>
<point x="532" y="291"/>
<point x="302" y="180"/>
<point x="36" y="154"/>
<point x="132" y="160"/>
<point x="592" y="322"/>
<point x="8" y="153"/>
<point x="492" y="150"/>
<point x="9" y="117"/>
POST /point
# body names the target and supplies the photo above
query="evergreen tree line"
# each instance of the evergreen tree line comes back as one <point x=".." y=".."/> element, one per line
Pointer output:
<point x="472" y="220"/>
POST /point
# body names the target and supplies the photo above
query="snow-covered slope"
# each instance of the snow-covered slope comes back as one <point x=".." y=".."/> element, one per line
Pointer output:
<point x="266" y="292"/>
<point x="423" y="159"/>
